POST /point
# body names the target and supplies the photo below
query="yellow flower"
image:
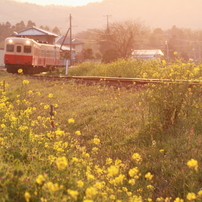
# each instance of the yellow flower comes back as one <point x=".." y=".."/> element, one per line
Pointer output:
<point x="90" y="192"/>
<point x="178" y="200"/>
<point x="191" y="196"/>
<point x="175" y="53"/>
<point x="71" y="120"/>
<point x="193" y="164"/>
<point x="61" y="163"/>
<point x="137" y="158"/>
<point x="25" y="82"/>
<point x="46" y="106"/>
<point x="27" y="196"/>
<point x="80" y="183"/>
<point x="200" y="193"/>
<point x="73" y="193"/>
<point x="113" y="171"/>
<point x="96" y="140"/>
<point x="50" y="95"/>
<point x="149" y="176"/>
<point x="108" y="161"/>
<point x="78" y="133"/>
<point x="52" y="187"/>
<point x="133" y="172"/>
<point x="40" y="179"/>
<point x="20" y="71"/>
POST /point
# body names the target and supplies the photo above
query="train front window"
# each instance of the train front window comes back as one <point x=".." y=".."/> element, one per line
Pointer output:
<point x="27" y="49"/>
<point x="18" y="49"/>
<point x="9" y="48"/>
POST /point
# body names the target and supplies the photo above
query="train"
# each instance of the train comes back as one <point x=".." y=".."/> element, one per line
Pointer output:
<point x="33" y="57"/>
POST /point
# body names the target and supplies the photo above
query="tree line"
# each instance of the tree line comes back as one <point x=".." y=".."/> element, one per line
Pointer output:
<point x="120" y="38"/>
<point x="6" y="29"/>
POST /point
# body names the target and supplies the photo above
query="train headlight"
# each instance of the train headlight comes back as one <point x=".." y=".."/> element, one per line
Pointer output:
<point x="27" y="42"/>
<point x="10" y="41"/>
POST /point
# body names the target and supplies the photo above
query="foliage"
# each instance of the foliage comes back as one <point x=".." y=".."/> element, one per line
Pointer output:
<point x="62" y="141"/>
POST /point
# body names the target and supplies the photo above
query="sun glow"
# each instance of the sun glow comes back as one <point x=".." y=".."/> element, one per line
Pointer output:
<point x="61" y="2"/>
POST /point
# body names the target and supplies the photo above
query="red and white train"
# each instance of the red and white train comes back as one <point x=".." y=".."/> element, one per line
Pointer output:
<point x="30" y="56"/>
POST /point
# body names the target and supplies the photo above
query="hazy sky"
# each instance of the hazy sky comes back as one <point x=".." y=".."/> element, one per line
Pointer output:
<point x="61" y="2"/>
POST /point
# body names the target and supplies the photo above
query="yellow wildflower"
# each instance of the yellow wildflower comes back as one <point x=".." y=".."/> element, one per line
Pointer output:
<point x="133" y="172"/>
<point x="191" y="196"/>
<point x="178" y="200"/>
<point x="50" y="95"/>
<point x="73" y="193"/>
<point x="96" y="141"/>
<point x="71" y="120"/>
<point x="113" y="171"/>
<point x="137" y="157"/>
<point x="61" y="163"/>
<point x="25" y="82"/>
<point x="149" y="176"/>
<point x="80" y="183"/>
<point x="193" y="164"/>
<point x="40" y="179"/>
<point x="90" y="192"/>
<point x="20" y="71"/>
<point x="27" y="196"/>
<point x="78" y="133"/>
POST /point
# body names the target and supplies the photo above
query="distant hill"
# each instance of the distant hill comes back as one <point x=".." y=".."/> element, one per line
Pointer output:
<point x="153" y="13"/>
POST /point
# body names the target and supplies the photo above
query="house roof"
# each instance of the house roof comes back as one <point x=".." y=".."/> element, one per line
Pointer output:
<point x="34" y="31"/>
<point x="146" y="53"/>
<point x="67" y="41"/>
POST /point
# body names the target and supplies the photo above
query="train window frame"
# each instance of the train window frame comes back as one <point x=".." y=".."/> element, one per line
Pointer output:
<point x="18" y="49"/>
<point x="27" y="49"/>
<point x="10" y="48"/>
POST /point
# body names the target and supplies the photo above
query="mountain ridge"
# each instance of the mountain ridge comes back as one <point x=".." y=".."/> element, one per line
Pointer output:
<point x="152" y="13"/>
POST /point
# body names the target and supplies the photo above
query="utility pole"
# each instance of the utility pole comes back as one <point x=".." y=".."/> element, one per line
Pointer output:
<point x="107" y="22"/>
<point x="70" y="45"/>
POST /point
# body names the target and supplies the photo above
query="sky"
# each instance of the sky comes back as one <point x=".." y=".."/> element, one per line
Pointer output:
<point x="61" y="2"/>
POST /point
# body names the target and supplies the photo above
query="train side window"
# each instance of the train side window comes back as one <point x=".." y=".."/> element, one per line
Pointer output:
<point x="27" y="49"/>
<point x="9" y="48"/>
<point x="18" y="49"/>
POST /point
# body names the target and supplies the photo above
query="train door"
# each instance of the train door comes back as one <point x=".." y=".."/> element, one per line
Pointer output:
<point x="19" y="54"/>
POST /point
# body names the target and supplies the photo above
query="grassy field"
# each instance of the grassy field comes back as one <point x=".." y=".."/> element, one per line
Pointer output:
<point x="62" y="141"/>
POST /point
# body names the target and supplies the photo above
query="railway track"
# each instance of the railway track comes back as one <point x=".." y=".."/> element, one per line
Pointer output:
<point x="116" y="81"/>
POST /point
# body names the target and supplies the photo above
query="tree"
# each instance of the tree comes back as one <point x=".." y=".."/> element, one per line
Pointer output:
<point x="122" y="38"/>
<point x="30" y="24"/>
<point x="56" y="31"/>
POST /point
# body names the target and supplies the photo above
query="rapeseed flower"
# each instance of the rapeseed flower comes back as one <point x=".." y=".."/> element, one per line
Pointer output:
<point x="71" y="120"/>
<point x="61" y="163"/>
<point x="96" y="141"/>
<point x="40" y="179"/>
<point x="91" y="192"/>
<point x="193" y="164"/>
<point x="73" y="193"/>
<point x="137" y="158"/>
<point x="27" y="196"/>
<point x="191" y="196"/>
<point x="133" y="172"/>
<point x="78" y="133"/>
<point x="80" y="183"/>
<point x="178" y="200"/>
<point x="149" y="176"/>
<point x="113" y="171"/>
<point x="25" y="82"/>
<point x="50" y="95"/>
<point x="20" y="71"/>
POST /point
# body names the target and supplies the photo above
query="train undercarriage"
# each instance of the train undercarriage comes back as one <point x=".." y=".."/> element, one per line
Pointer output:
<point x="28" y="69"/>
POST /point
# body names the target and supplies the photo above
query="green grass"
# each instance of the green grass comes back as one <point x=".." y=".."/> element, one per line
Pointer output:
<point x="98" y="130"/>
